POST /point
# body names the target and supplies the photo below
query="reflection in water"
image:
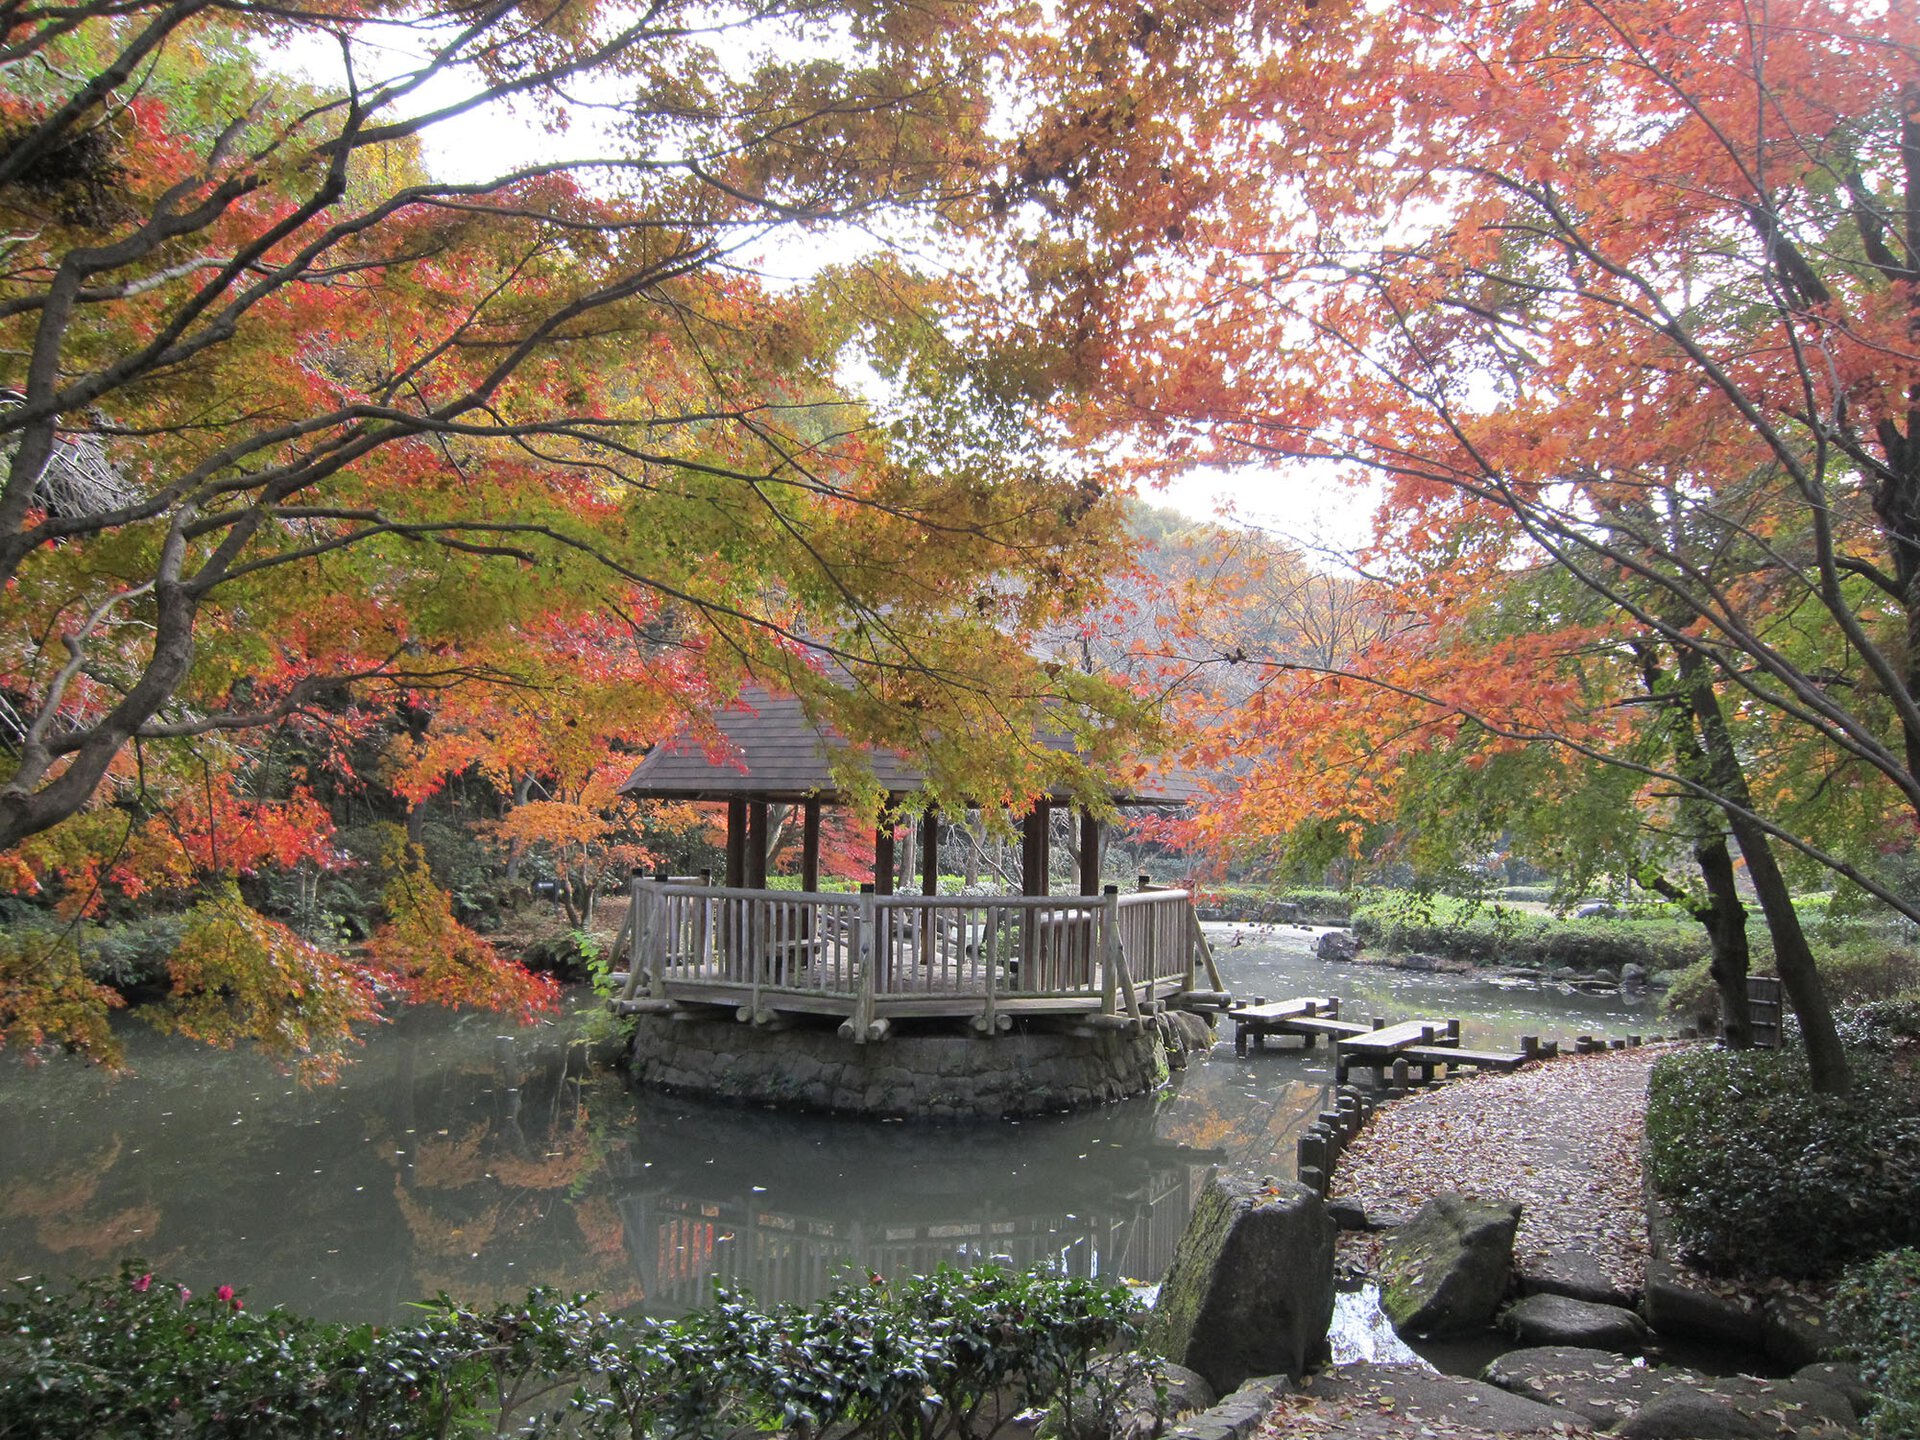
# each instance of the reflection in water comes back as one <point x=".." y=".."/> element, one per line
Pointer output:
<point x="454" y="1157"/>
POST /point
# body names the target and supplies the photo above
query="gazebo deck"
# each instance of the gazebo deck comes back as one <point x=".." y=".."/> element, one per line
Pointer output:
<point x="1112" y="959"/>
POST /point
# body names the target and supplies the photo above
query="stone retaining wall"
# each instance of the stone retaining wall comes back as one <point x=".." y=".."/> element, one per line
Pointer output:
<point x="931" y="1077"/>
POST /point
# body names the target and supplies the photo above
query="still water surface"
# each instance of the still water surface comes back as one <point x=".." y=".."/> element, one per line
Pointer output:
<point x="462" y="1155"/>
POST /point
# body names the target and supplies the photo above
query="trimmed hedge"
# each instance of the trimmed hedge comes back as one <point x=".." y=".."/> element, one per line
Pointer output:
<point x="926" y="1359"/>
<point x="1878" y="1312"/>
<point x="1498" y="935"/>
<point x="1764" y="1179"/>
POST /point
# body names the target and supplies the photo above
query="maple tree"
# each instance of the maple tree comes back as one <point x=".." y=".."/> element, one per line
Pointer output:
<point x="1569" y="281"/>
<point x="301" y="437"/>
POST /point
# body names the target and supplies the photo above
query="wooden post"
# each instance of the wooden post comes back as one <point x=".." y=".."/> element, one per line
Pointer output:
<point x="703" y="926"/>
<point x="868" y="938"/>
<point x="990" y="963"/>
<point x="1034" y="828"/>
<point x="757" y="845"/>
<point x="1115" y="956"/>
<point x="736" y="844"/>
<point x="1110" y="952"/>
<point x="1035" y="832"/>
<point x="1090" y="829"/>
<point x="1146" y="883"/>
<point x="930" y="853"/>
<point x="810" y="846"/>
<point x="636" y="955"/>
<point x="883" y="860"/>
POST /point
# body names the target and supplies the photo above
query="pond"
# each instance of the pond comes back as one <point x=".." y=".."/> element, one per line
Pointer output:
<point x="465" y="1155"/>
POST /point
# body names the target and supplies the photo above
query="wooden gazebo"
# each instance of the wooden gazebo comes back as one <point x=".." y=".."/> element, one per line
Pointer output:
<point x="876" y="956"/>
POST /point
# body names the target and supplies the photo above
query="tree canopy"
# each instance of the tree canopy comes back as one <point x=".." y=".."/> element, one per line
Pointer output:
<point x="303" y="440"/>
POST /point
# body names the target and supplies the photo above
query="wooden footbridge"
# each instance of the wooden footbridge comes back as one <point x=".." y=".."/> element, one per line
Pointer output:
<point x="1423" y="1045"/>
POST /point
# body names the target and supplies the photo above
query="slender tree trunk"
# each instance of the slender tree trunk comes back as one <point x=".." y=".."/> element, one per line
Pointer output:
<point x="1720" y="911"/>
<point x="1827" y="1068"/>
<point x="1725" y="919"/>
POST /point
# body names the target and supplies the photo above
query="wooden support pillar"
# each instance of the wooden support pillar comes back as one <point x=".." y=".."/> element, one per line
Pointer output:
<point x="757" y="845"/>
<point x="1090" y="829"/>
<point x="930" y="853"/>
<point x="883" y="860"/>
<point x="736" y="844"/>
<point x="1035" y="828"/>
<point x="810" y="845"/>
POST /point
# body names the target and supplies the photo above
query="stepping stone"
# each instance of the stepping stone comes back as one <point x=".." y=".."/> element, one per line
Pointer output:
<point x="1609" y="1390"/>
<point x="1558" y="1320"/>
<point x="1601" y="1387"/>
<point x="1573" y="1273"/>
<point x="1367" y="1400"/>
<point x="1692" y="1415"/>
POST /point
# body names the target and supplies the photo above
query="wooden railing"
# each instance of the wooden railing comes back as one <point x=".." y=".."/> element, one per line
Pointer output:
<point x="870" y="958"/>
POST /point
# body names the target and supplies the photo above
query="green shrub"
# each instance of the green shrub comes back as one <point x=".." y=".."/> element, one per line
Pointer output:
<point x="1864" y="970"/>
<point x="1878" y="1313"/>
<point x="1652" y="937"/>
<point x="1299" y="904"/>
<point x="1762" y="1178"/>
<point x="927" y="1359"/>
<point x="1693" y="997"/>
<point x="134" y="954"/>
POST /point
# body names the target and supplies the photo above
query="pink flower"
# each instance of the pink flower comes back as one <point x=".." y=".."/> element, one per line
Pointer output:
<point x="235" y="1302"/>
<point x="185" y="1294"/>
<point x="225" y="1292"/>
<point x="141" y="1285"/>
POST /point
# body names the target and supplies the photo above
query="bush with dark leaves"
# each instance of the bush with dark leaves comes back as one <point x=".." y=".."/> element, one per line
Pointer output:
<point x="1878" y="1313"/>
<point x="925" y="1359"/>
<point x="1762" y="1178"/>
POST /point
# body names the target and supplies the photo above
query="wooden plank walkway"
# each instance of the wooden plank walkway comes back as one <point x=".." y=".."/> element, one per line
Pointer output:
<point x="1308" y="1016"/>
<point x="1423" y="1044"/>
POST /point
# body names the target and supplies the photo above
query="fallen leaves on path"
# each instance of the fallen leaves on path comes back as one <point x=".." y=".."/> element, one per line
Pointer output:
<point x="1561" y="1137"/>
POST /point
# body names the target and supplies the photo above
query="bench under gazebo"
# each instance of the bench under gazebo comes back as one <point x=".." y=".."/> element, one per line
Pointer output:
<point x="1094" y="958"/>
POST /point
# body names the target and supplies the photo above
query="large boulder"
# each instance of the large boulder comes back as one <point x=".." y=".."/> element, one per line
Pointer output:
<point x="1445" y="1270"/>
<point x="1337" y="945"/>
<point x="1250" y="1290"/>
<point x="1559" y="1320"/>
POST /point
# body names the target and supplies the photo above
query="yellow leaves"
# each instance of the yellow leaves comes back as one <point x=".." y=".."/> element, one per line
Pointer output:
<point x="236" y="975"/>
<point x="550" y="822"/>
<point x="46" y="997"/>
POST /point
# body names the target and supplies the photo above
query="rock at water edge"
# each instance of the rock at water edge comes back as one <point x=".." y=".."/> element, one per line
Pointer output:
<point x="1337" y="945"/>
<point x="1250" y="1290"/>
<point x="1425" y="1402"/>
<point x="1692" y="1415"/>
<point x="1573" y="1273"/>
<point x="1445" y="1270"/>
<point x="1559" y="1320"/>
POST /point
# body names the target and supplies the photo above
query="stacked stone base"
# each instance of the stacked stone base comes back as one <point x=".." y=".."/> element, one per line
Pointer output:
<point x="908" y="1076"/>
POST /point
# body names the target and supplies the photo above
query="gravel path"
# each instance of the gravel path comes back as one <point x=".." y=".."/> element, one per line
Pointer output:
<point x="1561" y="1137"/>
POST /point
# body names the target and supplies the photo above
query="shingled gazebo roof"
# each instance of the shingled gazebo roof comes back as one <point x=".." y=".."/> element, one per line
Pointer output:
<point x="770" y="751"/>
